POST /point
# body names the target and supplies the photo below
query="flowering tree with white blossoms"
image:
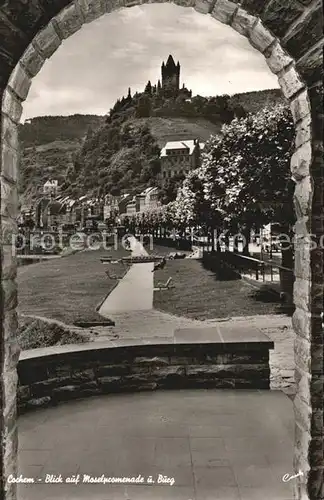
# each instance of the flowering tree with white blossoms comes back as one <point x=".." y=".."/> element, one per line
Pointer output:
<point x="192" y="205"/>
<point x="250" y="163"/>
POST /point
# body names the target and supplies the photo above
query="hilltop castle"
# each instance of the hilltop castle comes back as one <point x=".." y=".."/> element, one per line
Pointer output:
<point x="170" y="78"/>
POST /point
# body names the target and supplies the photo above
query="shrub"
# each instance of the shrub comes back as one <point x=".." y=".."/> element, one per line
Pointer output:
<point x="34" y="333"/>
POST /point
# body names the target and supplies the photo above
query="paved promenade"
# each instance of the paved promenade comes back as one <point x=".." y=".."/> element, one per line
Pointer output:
<point x="214" y="444"/>
<point x="135" y="291"/>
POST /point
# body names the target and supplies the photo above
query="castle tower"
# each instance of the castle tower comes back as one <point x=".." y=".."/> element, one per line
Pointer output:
<point x="170" y="77"/>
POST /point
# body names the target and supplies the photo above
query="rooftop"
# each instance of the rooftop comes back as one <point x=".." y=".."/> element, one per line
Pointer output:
<point x="188" y="144"/>
<point x="148" y="190"/>
<point x="51" y="183"/>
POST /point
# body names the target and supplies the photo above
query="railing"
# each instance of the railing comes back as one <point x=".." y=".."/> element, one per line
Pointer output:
<point x="262" y="270"/>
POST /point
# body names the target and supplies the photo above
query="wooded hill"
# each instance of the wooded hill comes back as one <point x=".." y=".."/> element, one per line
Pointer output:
<point x="96" y="154"/>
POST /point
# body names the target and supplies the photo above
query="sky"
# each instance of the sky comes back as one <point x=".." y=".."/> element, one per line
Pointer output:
<point x="96" y="65"/>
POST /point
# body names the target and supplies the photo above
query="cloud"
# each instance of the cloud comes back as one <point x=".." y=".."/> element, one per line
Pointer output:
<point x="125" y="48"/>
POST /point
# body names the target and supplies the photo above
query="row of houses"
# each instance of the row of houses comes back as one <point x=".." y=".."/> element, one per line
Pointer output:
<point x="53" y="209"/>
<point x="52" y="212"/>
<point x="128" y="204"/>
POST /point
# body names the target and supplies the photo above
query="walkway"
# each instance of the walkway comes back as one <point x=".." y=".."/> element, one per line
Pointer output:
<point x="216" y="445"/>
<point x="135" y="291"/>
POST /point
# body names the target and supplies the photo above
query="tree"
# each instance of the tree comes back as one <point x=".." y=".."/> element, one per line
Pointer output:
<point x="239" y="111"/>
<point x="192" y="208"/>
<point x="244" y="181"/>
<point x="170" y="188"/>
<point x="247" y="169"/>
<point x="148" y="88"/>
<point x="246" y="173"/>
<point x="143" y="109"/>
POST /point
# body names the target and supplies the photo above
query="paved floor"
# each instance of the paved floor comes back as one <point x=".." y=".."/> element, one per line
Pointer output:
<point x="216" y="445"/>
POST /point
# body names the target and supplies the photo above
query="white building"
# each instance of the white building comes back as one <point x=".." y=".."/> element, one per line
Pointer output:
<point x="51" y="187"/>
<point x="111" y="205"/>
<point x="179" y="157"/>
<point x="148" y="199"/>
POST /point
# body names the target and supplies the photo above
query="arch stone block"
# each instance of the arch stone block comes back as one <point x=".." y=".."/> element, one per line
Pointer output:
<point x="92" y="9"/>
<point x="243" y="22"/>
<point x="277" y="59"/>
<point x="300" y="106"/>
<point x="303" y="131"/>
<point x="32" y="61"/>
<point x="11" y="301"/>
<point x="224" y="11"/>
<point x="290" y="83"/>
<point x="303" y="196"/>
<point x="302" y="251"/>
<point x="69" y="21"/>
<point x="11" y="106"/>
<point x="260" y="38"/>
<point x="20" y="82"/>
<point x="204" y="6"/>
<point x="301" y="161"/>
<point x="47" y="41"/>
<point x="10" y="160"/>
<point x="9" y="198"/>
<point x="9" y="134"/>
<point x="301" y="293"/>
<point x="9" y="263"/>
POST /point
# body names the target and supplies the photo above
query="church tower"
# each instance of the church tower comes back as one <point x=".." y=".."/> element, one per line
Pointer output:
<point x="170" y="77"/>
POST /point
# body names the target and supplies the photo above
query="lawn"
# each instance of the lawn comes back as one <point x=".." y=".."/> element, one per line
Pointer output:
<point x="67" y="289"/>
<point x="198" y="294"/>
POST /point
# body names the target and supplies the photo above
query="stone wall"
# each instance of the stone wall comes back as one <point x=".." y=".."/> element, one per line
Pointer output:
<point x="289" y="33"/>
<point x="51" y="378"/>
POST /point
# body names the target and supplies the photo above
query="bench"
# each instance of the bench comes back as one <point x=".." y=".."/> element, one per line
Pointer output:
<point x="164" y="286"/>
<point x="113" y="276"/>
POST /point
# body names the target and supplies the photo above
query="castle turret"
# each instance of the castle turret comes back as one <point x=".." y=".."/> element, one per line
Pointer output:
<point x="170" y="77"/>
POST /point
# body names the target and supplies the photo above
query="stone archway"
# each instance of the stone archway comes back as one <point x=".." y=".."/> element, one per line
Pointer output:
<point x="289" y="34"/>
